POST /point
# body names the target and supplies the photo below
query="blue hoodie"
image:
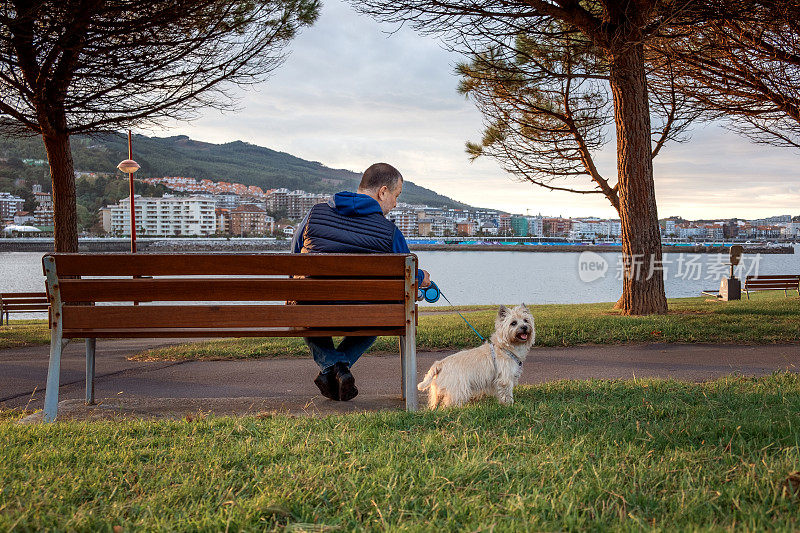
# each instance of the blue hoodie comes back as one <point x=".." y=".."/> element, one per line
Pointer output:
<point x="351" y="204"/>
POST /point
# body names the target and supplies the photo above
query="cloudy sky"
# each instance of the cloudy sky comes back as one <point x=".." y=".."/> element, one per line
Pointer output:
<point x="352" y="94"/>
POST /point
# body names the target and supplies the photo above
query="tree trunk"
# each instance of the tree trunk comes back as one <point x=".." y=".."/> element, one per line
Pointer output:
<point x="643" y="280"/>
<point x="62" y="174"/>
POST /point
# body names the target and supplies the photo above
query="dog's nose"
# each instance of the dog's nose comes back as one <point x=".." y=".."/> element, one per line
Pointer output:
<point x="524" y="328"/>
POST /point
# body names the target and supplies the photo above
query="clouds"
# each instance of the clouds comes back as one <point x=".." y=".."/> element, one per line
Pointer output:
<point x="351" y="94"/>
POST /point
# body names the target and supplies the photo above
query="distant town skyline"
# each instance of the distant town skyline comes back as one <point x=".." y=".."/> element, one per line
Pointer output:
<point x="351" y="94"/>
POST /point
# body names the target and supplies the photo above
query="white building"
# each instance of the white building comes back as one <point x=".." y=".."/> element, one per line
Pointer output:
<point x="535" y="226"/>
<point x="9" y="205"/>
<point x="167" y="216"/>
<point x="228" y="201"/>
<point x="295" y="203"/>
<point x="690" y="231"/>
<point x="278" y="200"/>
<point x="791" y="229"/>
<point x="303" y="204"/>
<point x="594" y="228"/>
<point x="406" y="221"/>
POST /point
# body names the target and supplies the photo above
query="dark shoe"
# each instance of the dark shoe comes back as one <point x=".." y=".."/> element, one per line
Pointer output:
<point x="328" y="385"/>
<point x="347" y="383"/>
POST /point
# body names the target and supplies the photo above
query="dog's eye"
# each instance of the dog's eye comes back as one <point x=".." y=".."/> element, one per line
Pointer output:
<point x="514" y="323"/>
<point x="526" y="320"/>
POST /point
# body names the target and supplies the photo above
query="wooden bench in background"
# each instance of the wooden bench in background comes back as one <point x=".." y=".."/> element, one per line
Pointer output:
<point x="772" y="283"/>
<point x="228" y="295"/>
<point x="22" y="302"/>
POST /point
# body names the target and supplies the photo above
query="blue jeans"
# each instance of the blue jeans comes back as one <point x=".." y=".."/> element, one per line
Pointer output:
<point x="348" y="351"/>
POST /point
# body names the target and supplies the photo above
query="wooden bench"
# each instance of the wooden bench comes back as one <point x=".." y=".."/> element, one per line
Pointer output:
<point x="783" y="283"/>
<point x="22" y="302"/>
<point x="123" y="295"/>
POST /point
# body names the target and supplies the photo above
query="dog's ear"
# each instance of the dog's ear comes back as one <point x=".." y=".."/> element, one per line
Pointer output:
<point x="502" y="312"/>
<point x="524" y="308"/>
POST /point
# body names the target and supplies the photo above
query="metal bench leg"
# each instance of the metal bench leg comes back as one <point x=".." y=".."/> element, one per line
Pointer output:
<point x="91" y="344"/>
<point x="57" y="345"/>
<point x="410" y="372"/>
<point x="403" y="366"/>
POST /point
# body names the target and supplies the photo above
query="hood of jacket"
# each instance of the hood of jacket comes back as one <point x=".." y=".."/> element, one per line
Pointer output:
<point x="354" y="204"/>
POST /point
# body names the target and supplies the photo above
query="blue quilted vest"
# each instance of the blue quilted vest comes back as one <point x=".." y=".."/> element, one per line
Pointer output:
<point x="327" y="231"/>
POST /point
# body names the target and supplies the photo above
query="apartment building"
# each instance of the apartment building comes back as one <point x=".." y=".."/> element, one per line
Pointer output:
<point x="294" y="203"/>
<point x="504" y="224"/>
<point x="166" y="217"/>
<point x="250" y="219"/>
<point x="43" y="213"/>
<point x="690" y="231"/>
<point x="466" y="227"/>
<point x="765" y="232"/>
<point x="302" y="204"/>
<point x="535" y="226"/>
<point x="791" y="229"/>
<point x="278" y="200"/>
<point x="436" y="227"/>
<point x="406" y="220"/>
<point x="9" y="205"/>
<point x="223" y="220"/>
<point x="556" y="226"/>
<point x="519" y="226"/>
<point x="594" y="228"/>
<point x="227" y="201"/>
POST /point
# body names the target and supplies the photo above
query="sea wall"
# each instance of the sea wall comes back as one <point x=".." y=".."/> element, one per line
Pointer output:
<point x="283" y="245"/>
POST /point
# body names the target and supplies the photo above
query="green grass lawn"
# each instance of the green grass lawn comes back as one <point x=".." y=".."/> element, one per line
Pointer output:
<point x="765" y="319"/>
<point x="596" y="455"/>
<point x="20" y="333"/>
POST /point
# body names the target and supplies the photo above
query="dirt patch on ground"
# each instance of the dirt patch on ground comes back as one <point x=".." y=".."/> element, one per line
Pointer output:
<point x="194" y="408"/>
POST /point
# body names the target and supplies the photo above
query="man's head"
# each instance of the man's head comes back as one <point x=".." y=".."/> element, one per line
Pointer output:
<point x="384" y="183"/>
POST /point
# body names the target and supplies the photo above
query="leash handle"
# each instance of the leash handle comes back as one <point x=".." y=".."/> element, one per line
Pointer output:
<point x="481" y="337"/>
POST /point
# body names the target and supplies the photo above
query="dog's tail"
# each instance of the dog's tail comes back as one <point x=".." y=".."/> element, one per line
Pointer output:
<point x="432" y="373"/>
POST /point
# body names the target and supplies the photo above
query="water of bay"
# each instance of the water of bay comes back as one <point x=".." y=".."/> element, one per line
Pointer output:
<point x="474" y="278"/>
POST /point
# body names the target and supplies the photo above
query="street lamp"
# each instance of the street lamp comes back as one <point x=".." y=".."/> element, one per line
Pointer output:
<point x="129" y="166"/>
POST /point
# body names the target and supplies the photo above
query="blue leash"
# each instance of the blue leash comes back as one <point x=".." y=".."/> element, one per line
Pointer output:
<point x="462" y="317"/>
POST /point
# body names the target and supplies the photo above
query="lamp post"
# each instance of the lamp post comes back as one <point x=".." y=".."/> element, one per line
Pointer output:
<point x="129" y="166"/>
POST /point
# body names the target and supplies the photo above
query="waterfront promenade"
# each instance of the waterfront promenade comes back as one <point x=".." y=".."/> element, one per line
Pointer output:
<point x="178" y="389"/>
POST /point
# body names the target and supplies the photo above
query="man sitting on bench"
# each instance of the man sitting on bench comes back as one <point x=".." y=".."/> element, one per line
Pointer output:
<point x="352" y="223"/>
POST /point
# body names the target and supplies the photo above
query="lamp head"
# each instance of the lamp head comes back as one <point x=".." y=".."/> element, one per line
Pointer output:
<point x="129" y="166"/>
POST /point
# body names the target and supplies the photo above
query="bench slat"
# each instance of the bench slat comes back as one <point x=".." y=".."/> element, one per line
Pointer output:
<point x="23" y="301"/>
<point x="16" y="295"/>
<point x="24" y="307"/>
<point x="166" y="290"/>
<point x="232" y="316"/>
<point x="124" y="264"/>
<point x="223" y="332"/>
<point x="776" y="276"/>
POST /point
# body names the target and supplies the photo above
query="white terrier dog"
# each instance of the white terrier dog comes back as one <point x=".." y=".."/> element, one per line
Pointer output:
<point x="493" y="368"/>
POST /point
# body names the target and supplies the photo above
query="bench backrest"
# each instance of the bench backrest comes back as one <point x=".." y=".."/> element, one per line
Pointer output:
<point x="96" y="295"/>
<point x="19" y="302"/>
<point x="768" y="282"/>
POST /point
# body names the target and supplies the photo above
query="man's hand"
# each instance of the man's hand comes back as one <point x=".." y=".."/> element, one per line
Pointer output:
<point x="426" y="281"/>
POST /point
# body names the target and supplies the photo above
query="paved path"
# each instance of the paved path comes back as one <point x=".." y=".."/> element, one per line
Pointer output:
<point x="286" y="384"/>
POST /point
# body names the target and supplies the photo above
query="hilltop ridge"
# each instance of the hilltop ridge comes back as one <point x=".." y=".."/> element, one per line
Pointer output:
<point x="236" y="161"/>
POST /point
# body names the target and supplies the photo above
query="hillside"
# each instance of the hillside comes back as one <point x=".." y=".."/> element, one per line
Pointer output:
<point x="236" y="161"/>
